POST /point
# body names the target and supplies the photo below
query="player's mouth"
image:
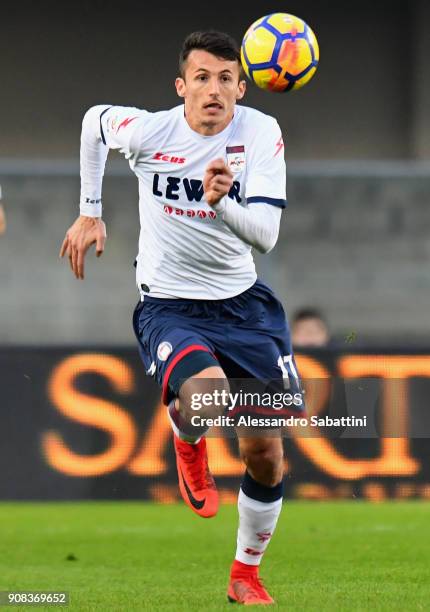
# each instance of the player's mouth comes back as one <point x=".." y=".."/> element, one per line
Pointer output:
<point x="213" y="107"/>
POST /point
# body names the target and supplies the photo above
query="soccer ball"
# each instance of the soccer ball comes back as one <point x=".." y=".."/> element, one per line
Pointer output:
<point x="280" y="52"/>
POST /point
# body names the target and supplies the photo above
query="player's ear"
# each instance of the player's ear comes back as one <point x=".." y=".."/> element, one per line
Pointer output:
<point x="241" y="89"/>
<point x="180" y="87"/>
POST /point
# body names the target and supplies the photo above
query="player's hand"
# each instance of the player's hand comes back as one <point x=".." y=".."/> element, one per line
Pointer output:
<point x="217" y="182"/>
<point x="79" y="237"/>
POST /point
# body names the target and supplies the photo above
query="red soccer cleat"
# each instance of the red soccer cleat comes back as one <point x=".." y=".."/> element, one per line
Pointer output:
<point x="246" y="587"/>
<point x="196" y="483"/>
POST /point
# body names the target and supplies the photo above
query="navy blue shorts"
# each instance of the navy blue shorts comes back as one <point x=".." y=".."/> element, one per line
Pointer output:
<point x="246" y="335"/>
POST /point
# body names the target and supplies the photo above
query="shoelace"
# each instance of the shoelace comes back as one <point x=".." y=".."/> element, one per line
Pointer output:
<point x="199" y="480"/>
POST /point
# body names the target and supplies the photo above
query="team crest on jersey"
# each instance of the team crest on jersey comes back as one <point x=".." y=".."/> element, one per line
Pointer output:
<point x="164" y="350"/>
<point x="236" y="158"/>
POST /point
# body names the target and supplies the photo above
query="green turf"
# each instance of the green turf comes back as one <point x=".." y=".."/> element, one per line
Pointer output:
<point x="136" y="556"/>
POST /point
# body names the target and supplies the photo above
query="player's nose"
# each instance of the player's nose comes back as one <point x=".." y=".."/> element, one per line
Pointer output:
<point x="214" y="87"/>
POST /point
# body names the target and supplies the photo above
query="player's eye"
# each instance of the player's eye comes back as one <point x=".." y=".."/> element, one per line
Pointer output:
<point x="202" y="77"/>
<point x="226" y="78"/>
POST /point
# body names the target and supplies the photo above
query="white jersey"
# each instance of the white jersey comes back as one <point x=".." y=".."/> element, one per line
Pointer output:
<point x="185" y="248"/>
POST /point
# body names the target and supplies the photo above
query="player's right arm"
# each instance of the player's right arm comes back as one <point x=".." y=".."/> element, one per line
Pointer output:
<point x="103" y="128"/>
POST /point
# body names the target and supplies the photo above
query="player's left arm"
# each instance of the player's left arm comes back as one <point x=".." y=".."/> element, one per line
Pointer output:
<point x="258" y="223"/>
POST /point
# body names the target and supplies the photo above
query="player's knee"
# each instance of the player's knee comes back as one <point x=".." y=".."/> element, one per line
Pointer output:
<point x="264" y="460"/>
<point x="205" y="394"/>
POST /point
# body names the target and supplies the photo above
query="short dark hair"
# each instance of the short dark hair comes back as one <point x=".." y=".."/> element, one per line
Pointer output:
<point x="308" y="313"/>
<point x="218" y="43"/>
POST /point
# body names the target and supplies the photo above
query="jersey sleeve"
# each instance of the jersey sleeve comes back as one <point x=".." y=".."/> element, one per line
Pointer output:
<point x="106" y="127"/>
<point x="120" y="128"/>
<point x="266" y="177"/>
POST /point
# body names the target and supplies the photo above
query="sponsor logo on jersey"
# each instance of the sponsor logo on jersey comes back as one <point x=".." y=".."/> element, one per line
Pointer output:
<point x="90" y="201"/>
<point x="164" y="350"/>
<point x="179" y="212"/>
<point x="236" y="158"/>
<point x="171" y="159"/>
<point x="175" y="188"/>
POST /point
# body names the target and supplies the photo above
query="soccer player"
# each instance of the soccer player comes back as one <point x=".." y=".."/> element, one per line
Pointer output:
<point x="211" y="187"/>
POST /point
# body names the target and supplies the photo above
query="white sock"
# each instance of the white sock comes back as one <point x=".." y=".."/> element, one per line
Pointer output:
<point x="176" y="422"/>
<point x="257" y="522"/>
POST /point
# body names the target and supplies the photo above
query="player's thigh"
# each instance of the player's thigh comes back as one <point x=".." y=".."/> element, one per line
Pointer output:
<point x="206" y="391"/>
<point x="173" y="349"/>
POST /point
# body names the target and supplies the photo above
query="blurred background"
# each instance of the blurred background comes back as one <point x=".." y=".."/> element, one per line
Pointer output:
<point x="354" y="242"/>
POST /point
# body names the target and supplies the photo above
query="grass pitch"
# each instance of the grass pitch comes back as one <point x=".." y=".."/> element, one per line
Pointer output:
<point x="339" y="556"/>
